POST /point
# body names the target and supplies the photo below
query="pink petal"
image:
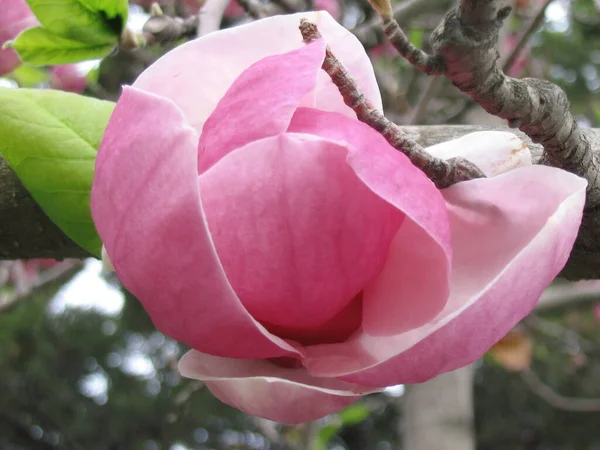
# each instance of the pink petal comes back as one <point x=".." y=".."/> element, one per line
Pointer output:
<point x="511" y="236"/>
<point x="261" y="388"/>
<point x="299" y="235"/>
<point x="261" y="102"/>
<point x="494" y="152"/>
<point x="15" y="17"/>
<point x="205" y="68"/>
<point x="146" y="207"/>
<point x="337" y="329"/>
<point x="418" y="265"/>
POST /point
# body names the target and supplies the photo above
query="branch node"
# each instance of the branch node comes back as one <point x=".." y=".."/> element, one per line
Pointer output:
<point x="504" y="13"/>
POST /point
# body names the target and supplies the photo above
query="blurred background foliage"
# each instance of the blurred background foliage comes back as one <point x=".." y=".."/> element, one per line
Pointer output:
<point x="81" y="366"/>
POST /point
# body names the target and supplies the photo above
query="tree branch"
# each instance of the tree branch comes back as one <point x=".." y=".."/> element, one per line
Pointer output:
<point x="564" y="294"/>
<point x="57" y="273"/>
<point x="25" y="231"/>
<point x="443" y="173"/>
<point x="465" y="51"/>
<point x="370" y="33"/>
<point x="556" y="400"/>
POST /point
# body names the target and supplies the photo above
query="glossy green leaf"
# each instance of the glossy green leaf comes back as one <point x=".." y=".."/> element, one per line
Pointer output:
<point x="88" y="21"/>
<point x="40" y="47"/>
<point x="50" y="139"/>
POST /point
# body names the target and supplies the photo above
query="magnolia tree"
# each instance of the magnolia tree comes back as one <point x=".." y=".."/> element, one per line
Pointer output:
<point x="249" y="191"/>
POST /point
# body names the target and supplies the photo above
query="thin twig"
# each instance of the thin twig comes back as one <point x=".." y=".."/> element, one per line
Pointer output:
<point x="556" y="400"/>
<point x="442" y="173"/>
<point x="430" y="64"/>
<point x="164" y="29"/>
<point x="465" y="51"/>
<point x="532" y="27"/>
<point x="430" y="91"/>
<point x="47" y="276"/>
<point x="369" y="33"/>
<point x="568" y="338"/>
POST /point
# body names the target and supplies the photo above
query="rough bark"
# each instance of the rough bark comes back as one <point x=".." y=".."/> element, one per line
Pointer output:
<point x="438" y="414"/>
<point x="465" y="51"/>
<point x="25" y="231"/>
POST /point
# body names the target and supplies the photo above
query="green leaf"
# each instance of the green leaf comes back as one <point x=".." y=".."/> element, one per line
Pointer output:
<point x="354" y="414"/>
<point x="325" y="435"/>
<point x="40" y="47"/>
<point x="29" y="77"/>
<point x="88" y="21"/>
<point x="415" y="36"/>
<point x="50" y="139"/>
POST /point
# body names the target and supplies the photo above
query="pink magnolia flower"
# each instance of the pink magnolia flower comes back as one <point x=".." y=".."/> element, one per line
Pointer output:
<point x="304" y="260"/>
<point x="15" y="16"/>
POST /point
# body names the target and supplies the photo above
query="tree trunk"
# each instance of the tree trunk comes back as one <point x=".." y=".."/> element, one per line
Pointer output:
<point x="438" y="414"/>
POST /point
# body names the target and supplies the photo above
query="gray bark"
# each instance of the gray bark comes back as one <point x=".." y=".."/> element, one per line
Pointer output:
<point x="25" y="231"/>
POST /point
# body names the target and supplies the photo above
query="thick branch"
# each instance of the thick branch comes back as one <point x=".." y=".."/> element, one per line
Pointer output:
<point x="163" y="29"/>
<point x="465" y="51"/>
<point x="25" y="231"/>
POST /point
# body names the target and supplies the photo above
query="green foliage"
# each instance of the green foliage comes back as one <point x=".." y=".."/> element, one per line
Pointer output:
<point x="29" y="77"/>
<point x="47" y="360"/>
<point x="89" y="21"/>
<point x="510" y="415"/>
<point x="40" y="47"/>
<point x="350" y="416"/>
<point x="71" y="31"/>
<point x="50" y="139"/>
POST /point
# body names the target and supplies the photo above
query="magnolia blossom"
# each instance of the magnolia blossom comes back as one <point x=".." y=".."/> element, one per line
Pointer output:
<point x="304" y="260"/>
<point x="15" y="16"/>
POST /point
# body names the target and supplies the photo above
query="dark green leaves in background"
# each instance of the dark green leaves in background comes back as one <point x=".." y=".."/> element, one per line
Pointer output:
<point x="71" y="31"/>
<point x="50" y="139"/>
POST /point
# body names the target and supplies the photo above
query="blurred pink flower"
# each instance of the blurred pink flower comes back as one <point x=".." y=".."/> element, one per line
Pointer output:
<point x="383" y="50"/>
<point x="234" y="10"/>
<point x="304" y="260"/>
<point x="522" y="60"/>
<point x="68" y="77"/>
<point x="331" y="6"/>
<point x="15" y="16"/>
